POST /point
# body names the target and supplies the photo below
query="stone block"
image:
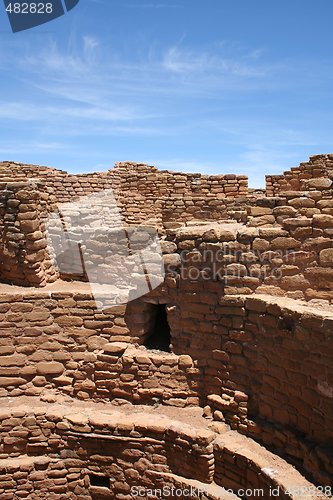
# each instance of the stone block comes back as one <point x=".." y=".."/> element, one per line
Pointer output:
<point x="50" y="368"/>
<point x="326" y="257"/>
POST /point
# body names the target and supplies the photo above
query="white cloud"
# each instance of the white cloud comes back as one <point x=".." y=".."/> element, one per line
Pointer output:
<point x="185" y="61"/>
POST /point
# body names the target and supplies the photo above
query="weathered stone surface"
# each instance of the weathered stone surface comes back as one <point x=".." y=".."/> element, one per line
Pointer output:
<point x="15" y="381"/>
<point x="326" y="257"/>
<point x="50" y="368"/>
<point x="168" y="247"/>
<point x="115" y="348"/>
<point x="323" y="220"/>
<point x="285" y="243"/>
<point x="320" y="183"/>
<point x="171" y="261"/>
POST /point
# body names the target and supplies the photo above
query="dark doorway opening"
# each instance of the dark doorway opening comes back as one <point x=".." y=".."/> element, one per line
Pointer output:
<point x="101" y="481"/>
<point x="159" y="334"/>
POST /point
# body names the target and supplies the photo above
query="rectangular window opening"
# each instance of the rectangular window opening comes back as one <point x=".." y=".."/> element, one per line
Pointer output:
<point x="99" y="480"/>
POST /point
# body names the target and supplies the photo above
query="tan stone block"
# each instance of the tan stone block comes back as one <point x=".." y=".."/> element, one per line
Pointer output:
<point x="50" y="368"/>
<point x="302" y="202"/>
<point x="322" y="277"/>
<point x="14" y="381"/>
<point x="323" y="220"/>
<point x="171" y="261"/>
<point x="326" y="257"/>
<point x="235" y="270"/>
<point x="14" y="360"/>
<point x="296" y="282"/>
<point x="258" y="211"/>
<point x="141" y="359"/>
<point x="285" y="243"/>
<point x="69" y="321"/>
<point x="320" y="183"/>
<point x="185" y="361"/>
<point x="262" y="221"/>
<point x="260" y="244"/>
<point x="168" y="247"/>
<point x="39" y="381"/>
<point x="29" y="226"/>
<point x="297" y="222"/>
<point x="285" y="210"/>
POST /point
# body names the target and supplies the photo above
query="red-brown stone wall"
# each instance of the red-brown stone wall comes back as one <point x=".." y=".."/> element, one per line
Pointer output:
<point x="24" y="258"/>
<point x="142" y="192"/>
<point x="58" y="451"/>
<point x="315" y="174"/>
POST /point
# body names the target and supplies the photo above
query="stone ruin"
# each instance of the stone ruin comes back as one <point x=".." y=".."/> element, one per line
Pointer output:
<point x="216" y="379"/>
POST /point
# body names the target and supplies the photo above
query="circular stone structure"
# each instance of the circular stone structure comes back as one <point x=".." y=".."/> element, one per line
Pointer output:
<point x="71" y="449"/>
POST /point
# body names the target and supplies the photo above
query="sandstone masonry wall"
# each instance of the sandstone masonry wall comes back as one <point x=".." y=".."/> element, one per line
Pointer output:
<point x="293" y="258"/>
<point x="317" y="173"/>
<point x="266" y="364"/>
<point x="63" y="341"/>
<point x="45" y="337"/>
<point x="140" y="376"/>
<point x="260" y="363"/>
<point x="24" y="258"/>
<point x="130" y="450"/>
<point x="142" y="192"/>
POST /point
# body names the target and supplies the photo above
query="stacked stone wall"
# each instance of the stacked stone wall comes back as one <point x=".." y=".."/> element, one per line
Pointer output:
<point x="60" y="451"/>
<point x="47" y="336"/>
<point x="260" y="363"/>
<point x="141" y="376"/>
<point x="143" y="193"/>
<point x="24" y="258"/>
<point x="126" y="449"/>
<point x="62" y="341"/>
<point x="293" y="258"/>
<point x="315" y="174"/>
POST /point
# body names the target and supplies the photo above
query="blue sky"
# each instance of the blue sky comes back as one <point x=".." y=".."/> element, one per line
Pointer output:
<point x="210" y="86"/>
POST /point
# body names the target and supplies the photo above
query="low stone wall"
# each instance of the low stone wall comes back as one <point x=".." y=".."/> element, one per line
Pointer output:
<point x="316" y="174"/>
<point x="46" y="337"/>
<point x="130" y="450"/>
<point x="63" y="341"/>
<point x="267" y="361"/>
<point x="265" y="364"/>
<point x="123" y="448"/>
<point x="244" y="466"/>
<point x="140" y="190"/>
<point x="292" y="258"/>
<point x="140" y="376"/>
<point x="41" y="477"/>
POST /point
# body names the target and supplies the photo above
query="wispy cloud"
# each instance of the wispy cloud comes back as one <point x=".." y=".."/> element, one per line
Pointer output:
<point x="184" y="61"/>
<point x="94" y="74"/>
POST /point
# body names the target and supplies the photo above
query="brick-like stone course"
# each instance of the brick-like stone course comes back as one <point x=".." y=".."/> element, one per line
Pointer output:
<point x="314" y="175"/>
<point x="129" y="450"/>
<point x="24" y="258"/>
